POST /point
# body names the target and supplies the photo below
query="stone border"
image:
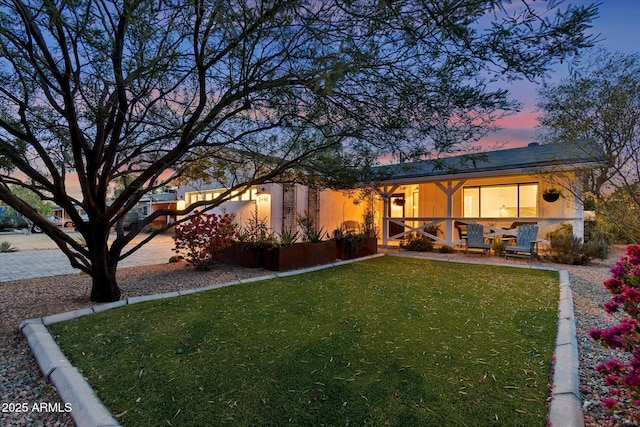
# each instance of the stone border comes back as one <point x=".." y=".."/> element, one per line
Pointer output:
<point x="89" y="411"/>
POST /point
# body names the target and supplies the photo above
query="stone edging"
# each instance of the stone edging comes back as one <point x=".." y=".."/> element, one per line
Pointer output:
<point x="89" y="411"/>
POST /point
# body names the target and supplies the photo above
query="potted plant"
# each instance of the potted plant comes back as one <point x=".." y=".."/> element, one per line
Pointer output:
<point x="551" y="194"/>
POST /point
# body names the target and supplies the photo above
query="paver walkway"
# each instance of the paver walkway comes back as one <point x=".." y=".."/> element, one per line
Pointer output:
<point x="52" y="262"/>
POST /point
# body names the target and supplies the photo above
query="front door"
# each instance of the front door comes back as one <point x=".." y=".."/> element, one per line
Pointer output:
<point x="396" y="210"/>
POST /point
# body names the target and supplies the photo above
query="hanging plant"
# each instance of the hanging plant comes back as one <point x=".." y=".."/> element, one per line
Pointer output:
<point x="551" y="194"/>
<point x="398" y="202"/>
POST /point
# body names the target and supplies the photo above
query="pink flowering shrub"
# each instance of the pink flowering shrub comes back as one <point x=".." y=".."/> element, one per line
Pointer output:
<point x="624" y="285"/>
<point x="204" y="238"/>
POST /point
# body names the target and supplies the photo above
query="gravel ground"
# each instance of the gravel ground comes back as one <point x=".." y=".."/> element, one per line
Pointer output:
<point x="22" y="386"/>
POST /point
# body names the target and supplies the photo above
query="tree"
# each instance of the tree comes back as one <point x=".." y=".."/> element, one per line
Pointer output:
<point x="600" y="105"/>
<point x="258" y="91"/>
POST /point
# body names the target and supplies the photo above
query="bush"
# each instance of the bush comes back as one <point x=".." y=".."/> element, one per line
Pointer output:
<point x="175" y="258"/>
<point x="256" y="232"/>
<point x="204" y="238"/>
<point x="597" y="239"/>
<point x="446" y="249"/>
<point x="418" y="243"/>
<point x="498" y="246"/>
<point x="310" y="231"/>
<point x="623" y="378"/>
<point x="567" y="248"/>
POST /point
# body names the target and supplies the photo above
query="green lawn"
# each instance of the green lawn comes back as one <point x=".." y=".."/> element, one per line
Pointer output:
<point x="388" y="341"/>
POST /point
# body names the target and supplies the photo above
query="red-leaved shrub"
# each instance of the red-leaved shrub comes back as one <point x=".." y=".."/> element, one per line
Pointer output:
<point x="624" y="284"/>
<point x="203" y="238"/>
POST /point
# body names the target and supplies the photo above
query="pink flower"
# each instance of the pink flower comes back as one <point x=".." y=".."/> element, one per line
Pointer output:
<point x="609" y="403"/>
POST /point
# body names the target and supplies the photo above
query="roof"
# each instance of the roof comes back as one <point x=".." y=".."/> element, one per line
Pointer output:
<point x="532" y="158"/>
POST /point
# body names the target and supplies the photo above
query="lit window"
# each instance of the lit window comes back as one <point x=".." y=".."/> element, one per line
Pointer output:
<point x="501" y="201"/>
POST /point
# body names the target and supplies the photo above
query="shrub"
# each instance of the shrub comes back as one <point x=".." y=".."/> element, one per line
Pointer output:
<point x="446" y="249"/>
<point x="567" y="248"/>
<point x="597" y="239"/>
<point x="310" y="231"/>
<point x="204" y="238"/>
<point x="369" y="223"/>
<point x="288" y="237"/>
<point x="256" y="232"/>
<point x="623" y="378"/>
<point x="417" y="242"/>
<point x="175" y="258"/>
<point x="498" y="246"/>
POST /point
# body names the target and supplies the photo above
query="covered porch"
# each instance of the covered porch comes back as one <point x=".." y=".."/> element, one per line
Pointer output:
<point x="440" y="209"/>
<point x="499" y="189"/>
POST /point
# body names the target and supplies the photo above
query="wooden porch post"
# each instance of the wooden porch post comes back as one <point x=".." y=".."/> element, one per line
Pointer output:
<point x="449" y="191"/>
<point x="386" y="193"/>
<point x="578" y="214"/>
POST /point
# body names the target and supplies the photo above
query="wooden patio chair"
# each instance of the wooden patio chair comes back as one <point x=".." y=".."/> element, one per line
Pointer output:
<point x="351" y="227"/>
<point x="526" y="241"/>
<point x="514" y="225"/>
<point x="462" y="229"/>
<point x="475" y="238"/>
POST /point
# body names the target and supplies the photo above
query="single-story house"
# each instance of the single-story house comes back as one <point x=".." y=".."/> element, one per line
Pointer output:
<point x="500" y="189"/>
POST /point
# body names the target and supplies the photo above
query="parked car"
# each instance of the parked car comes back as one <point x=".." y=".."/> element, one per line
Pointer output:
<point x="130" y="220"/>
<point x="10" y="219"/>
<point x="66" y="223"/>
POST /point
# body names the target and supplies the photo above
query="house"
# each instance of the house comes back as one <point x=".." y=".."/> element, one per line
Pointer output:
<point x="500" y="190"/>
<point x="279" y="205"/>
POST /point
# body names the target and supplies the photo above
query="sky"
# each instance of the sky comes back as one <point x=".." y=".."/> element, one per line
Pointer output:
<point x="618" y="26"/>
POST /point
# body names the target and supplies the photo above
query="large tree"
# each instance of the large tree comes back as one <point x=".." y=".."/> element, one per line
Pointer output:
<point x="123" y="91"/>
<point x="599" y="104"/>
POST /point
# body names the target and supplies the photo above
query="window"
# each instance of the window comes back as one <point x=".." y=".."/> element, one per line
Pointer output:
<point x="501" y="201"/>
<point x="211" y="195"/>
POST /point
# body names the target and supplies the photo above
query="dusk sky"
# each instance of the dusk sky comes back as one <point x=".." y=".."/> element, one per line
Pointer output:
<point x="618" y="25"/>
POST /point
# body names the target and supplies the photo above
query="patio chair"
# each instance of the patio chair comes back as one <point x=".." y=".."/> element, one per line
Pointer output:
<point x="475" y="238"/>
<point x="351" y="227"/>
<point x="526" y="241"/>
<point x="462" y="229"/>
<point x="514" y="225"/>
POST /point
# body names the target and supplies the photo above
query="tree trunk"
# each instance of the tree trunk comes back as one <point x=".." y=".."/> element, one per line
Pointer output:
<point x="104" y="287"/>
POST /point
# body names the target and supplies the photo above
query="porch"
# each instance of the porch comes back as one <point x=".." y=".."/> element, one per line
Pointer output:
<point x="516" y="200"/>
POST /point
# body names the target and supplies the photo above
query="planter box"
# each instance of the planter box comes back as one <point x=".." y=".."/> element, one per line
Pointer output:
<point x="244" y="255"/>
<point x="349" y="249"/>
<point x="299" y="255"/>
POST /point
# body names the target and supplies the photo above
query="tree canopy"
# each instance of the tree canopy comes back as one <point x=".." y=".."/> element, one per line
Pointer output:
<point x="256" y="91"/>
<point x="600" y="105"/>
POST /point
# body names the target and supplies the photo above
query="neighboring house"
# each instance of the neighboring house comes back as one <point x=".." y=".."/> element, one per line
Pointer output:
<point x="164" y="198"/>
<point x="501" y="190"/>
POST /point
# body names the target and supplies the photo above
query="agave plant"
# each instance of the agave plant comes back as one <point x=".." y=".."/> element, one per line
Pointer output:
<point x="7" y="247"/>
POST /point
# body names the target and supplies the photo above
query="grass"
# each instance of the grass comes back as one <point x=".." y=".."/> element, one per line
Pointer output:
<point x="389" y="341"/>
